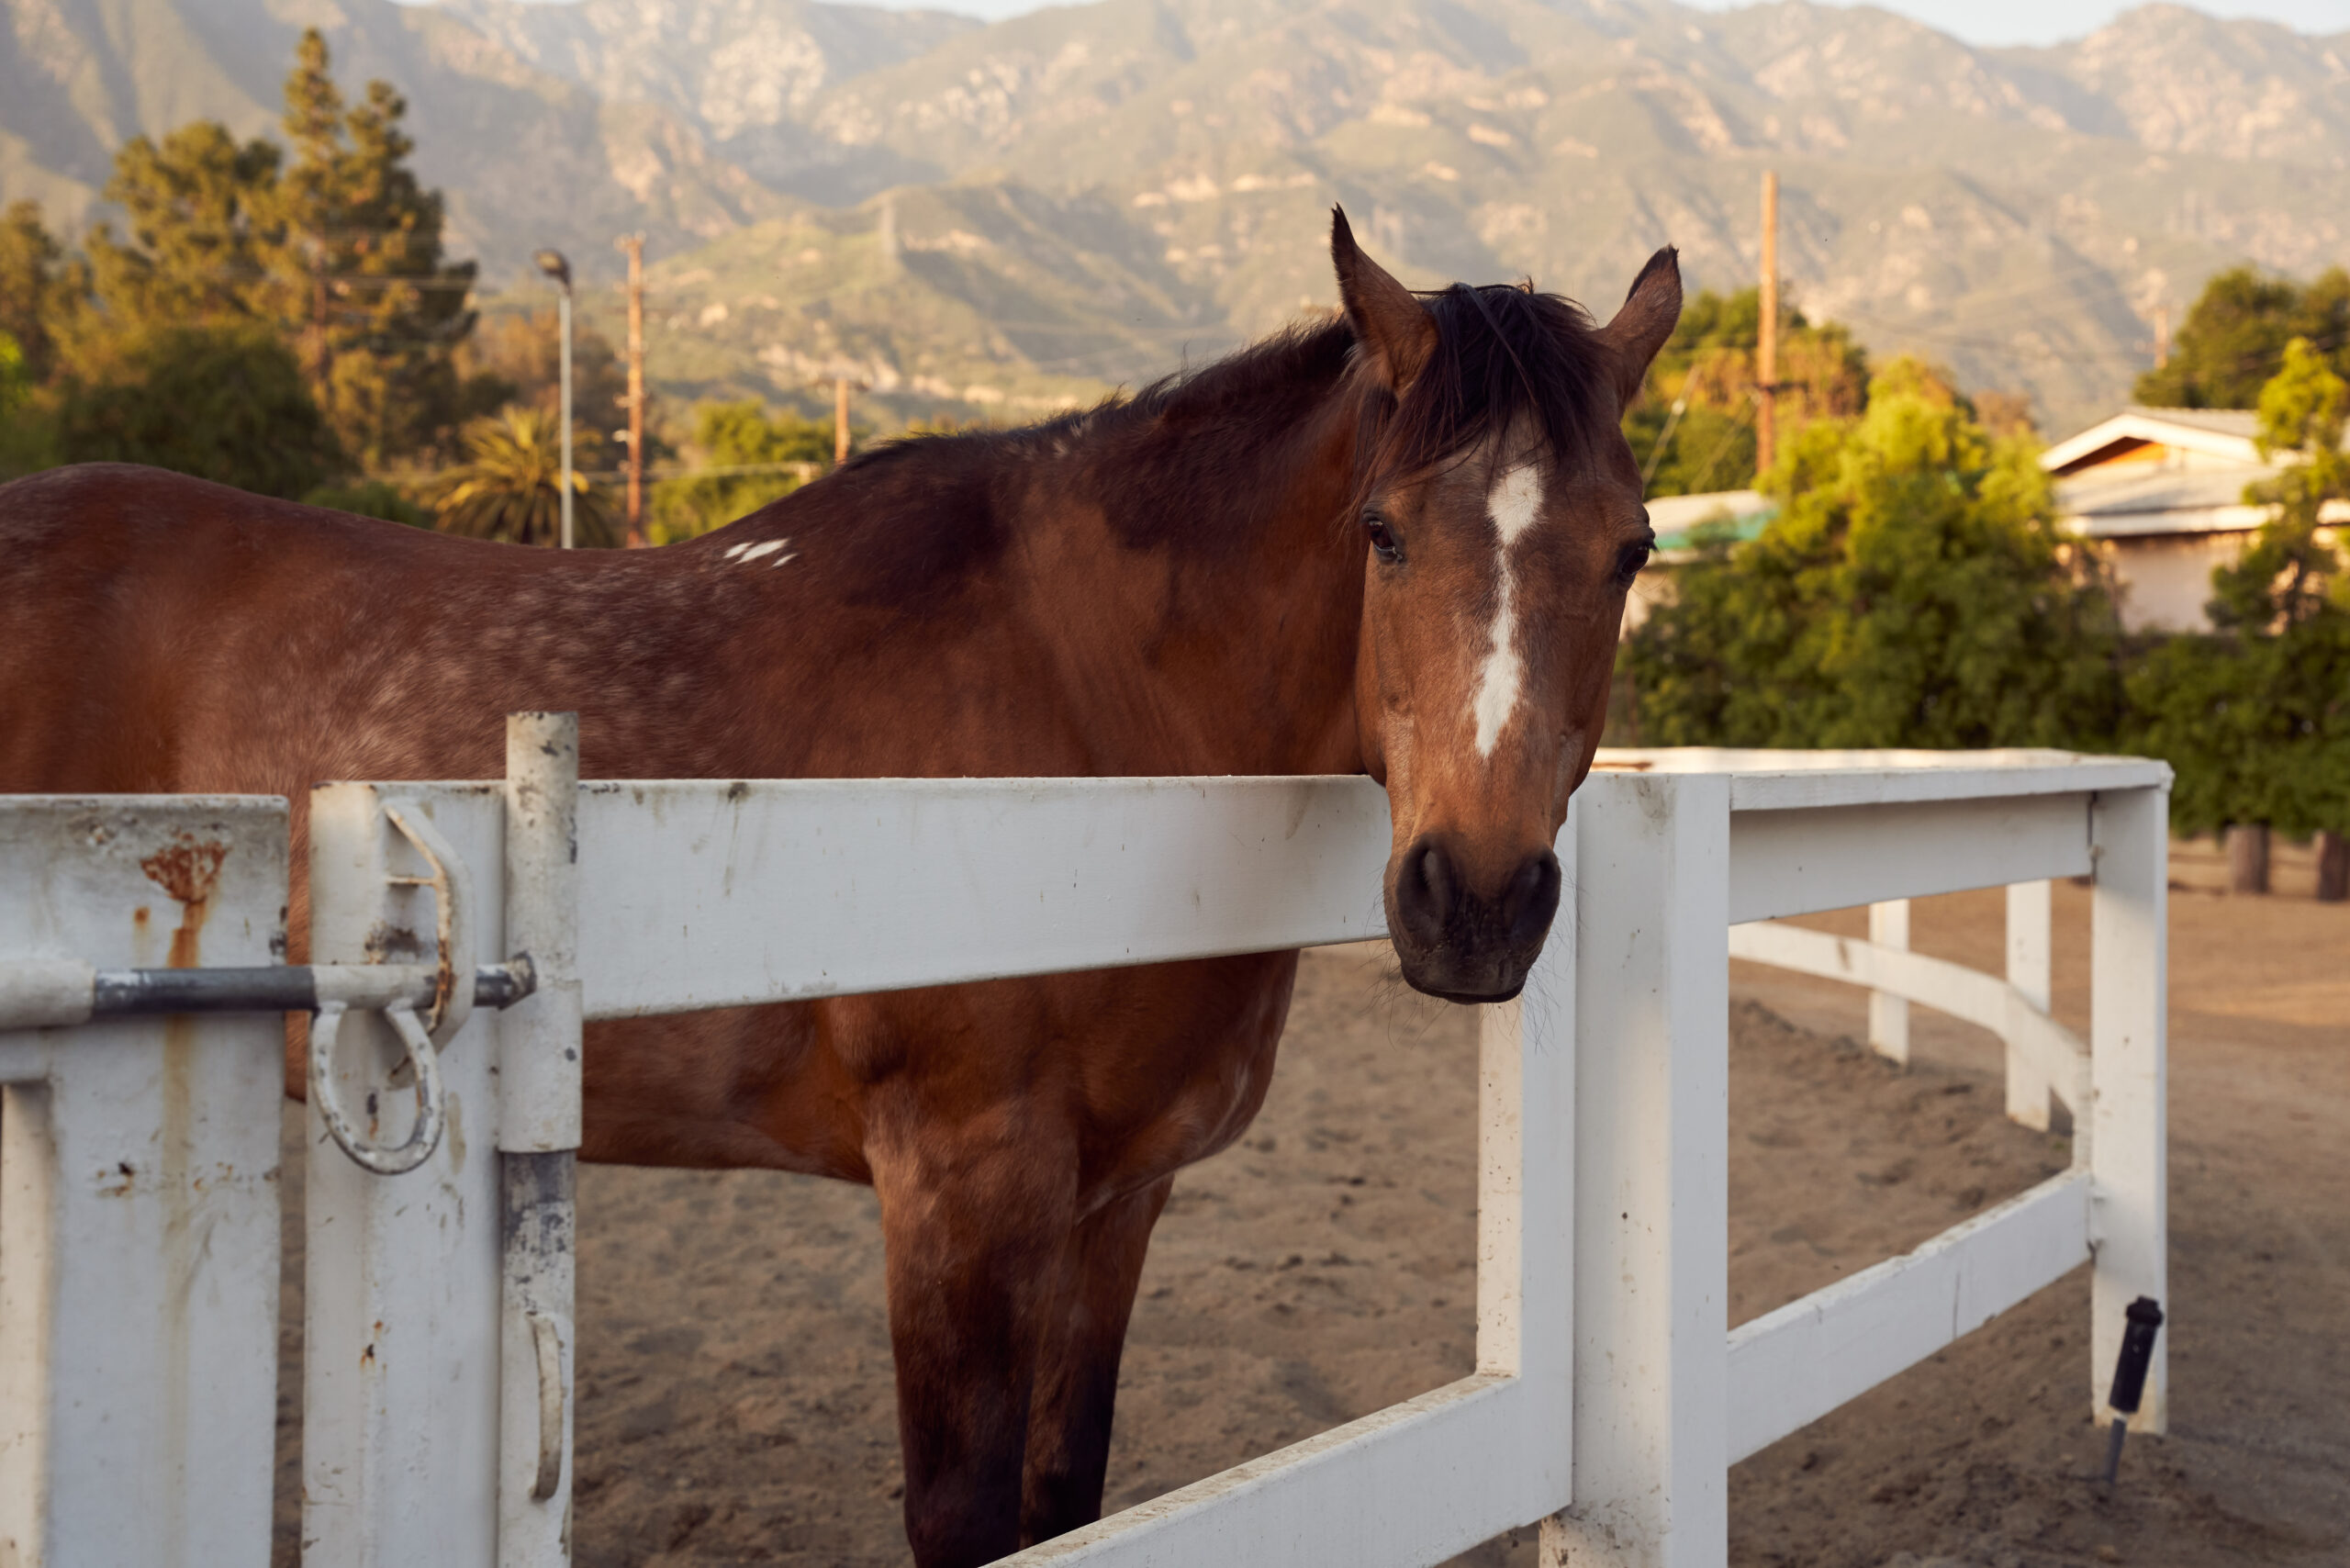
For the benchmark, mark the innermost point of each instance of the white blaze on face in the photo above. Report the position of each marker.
(1514, 502)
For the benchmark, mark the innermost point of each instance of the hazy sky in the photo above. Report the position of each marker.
(1978, 21)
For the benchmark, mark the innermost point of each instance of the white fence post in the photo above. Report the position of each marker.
(400, 1414)
(2030, 969)
(1526, 1143)
(1889, 1014)
(138, 1213)
(1651, 917)
(538, 1141)
(2129, 1152)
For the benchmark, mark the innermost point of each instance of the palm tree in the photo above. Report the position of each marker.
(511, 486)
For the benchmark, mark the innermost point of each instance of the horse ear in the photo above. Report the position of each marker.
(1650, 311)
(1393, 327)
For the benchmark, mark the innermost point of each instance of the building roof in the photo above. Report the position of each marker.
(2224, 433)
(1676, 519)
(2147, 471)
(2135, 500)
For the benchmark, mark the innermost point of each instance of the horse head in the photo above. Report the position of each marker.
(1501, 525)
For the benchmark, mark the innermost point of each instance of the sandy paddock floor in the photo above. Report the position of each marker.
(736, 1401)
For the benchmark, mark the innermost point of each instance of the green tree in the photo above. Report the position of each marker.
(2233, 341)
(337, 249)
(223, 402)
(199, 207)
(1694, 426)
(2255, 716)
(16, 378)
(38, 290)
(509, 487)
(1913, 591)
(356, 261)
(744, 451)
(28, 437)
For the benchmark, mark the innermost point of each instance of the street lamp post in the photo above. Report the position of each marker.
(552, 263)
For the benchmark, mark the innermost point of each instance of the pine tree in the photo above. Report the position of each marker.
(337, 248)
(357, 270)
(198, 207)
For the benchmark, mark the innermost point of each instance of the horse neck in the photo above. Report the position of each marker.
(1246, 653)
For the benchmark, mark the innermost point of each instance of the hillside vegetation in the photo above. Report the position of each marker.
(982, 218)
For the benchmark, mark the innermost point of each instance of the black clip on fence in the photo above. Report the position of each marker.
(2130, 1375)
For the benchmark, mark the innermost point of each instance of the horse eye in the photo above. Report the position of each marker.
(1629, 562)
(1383, 542)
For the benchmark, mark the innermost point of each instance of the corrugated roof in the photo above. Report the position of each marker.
(2151, 489)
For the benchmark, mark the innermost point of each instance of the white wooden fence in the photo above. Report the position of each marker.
(137, 1226)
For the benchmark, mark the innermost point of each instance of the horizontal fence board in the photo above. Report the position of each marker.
(2055, 1053)
(1803, 861)
(1790, 1366)
(1357, 1495)
(705, 893)
(1798, 780)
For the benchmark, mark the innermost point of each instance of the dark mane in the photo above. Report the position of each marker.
(1501, 353)
(1185, 457)
(1183, 461)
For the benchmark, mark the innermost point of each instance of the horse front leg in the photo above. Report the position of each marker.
(1077, 1374)
(976, 1217)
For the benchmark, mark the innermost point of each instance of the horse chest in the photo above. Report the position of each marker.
(1187, 1073)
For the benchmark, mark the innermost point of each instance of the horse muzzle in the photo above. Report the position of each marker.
(1466, 938)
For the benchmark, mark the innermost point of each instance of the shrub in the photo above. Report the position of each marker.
(1913, 591)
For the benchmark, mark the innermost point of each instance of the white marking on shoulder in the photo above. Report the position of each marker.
(735, 550)
(1514, 502)
(787, 560)
(769, 548)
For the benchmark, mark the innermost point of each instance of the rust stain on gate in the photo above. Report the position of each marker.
(189, 870)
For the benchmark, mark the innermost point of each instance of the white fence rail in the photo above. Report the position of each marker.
(1610, 1396)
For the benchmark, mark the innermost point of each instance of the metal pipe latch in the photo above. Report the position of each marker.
(425, 1004)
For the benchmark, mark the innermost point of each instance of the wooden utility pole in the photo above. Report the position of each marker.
(634, 245)
(840, 421)
(1766, 346)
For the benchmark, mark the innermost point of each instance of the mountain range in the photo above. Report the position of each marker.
(990, 219)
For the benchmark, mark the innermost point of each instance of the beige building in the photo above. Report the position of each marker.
(2161, 492)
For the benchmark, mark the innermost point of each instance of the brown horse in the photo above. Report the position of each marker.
(1397, 541)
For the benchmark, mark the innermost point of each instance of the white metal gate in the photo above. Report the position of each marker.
(137, 1188)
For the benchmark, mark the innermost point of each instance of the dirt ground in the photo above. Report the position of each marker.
(736, 1401)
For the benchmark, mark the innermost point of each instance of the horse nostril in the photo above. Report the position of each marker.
(1424, 892)
(1532, 899)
